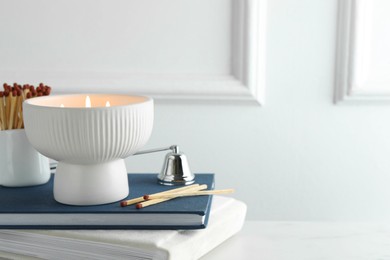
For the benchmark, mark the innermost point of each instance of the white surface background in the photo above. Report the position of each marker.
(299, 157)
(306, 241)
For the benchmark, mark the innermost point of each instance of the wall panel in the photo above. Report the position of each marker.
(363, 61)
(169, 49)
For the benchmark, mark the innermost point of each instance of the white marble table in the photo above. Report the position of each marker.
(306, 240)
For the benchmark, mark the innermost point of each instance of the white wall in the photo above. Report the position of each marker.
(298, 157)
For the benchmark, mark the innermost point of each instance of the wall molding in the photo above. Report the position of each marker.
(245, 83)
(355, 80)
(249, 46)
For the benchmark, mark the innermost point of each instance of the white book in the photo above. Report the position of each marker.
(226, 219)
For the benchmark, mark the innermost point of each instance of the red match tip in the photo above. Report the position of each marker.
(138, 206)
(19, 93)
(1, 94)
(28, 95)
(123, 204)
(14, 93)
(146, 197)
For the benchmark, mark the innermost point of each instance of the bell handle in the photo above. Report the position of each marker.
(173, 148)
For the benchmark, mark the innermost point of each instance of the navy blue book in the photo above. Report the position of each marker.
(35, 208)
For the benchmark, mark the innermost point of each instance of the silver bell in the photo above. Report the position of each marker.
(175, 170)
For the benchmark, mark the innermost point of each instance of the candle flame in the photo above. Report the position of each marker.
(87, 102)
(62, 105)
(108, 104)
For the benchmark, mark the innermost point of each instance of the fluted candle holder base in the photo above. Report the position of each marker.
(91, 184)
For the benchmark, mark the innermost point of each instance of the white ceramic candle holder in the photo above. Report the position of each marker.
(21, 164)
(89, 142)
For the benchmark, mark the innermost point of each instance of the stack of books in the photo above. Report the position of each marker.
(183, 228)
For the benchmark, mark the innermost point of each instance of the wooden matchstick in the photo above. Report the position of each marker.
(26, 89)
(147, 203)
(18, 108)
(4, 116)
(140, 199)
(150, 202)
(7, 106)
(12, 109)
(33, 91)
(11, 103)
(47, 91)
(20, 121)
(186, 194)
(2, 111)
(186, 188)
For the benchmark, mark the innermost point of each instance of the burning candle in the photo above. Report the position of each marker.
(89, 140)
(87, 102)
